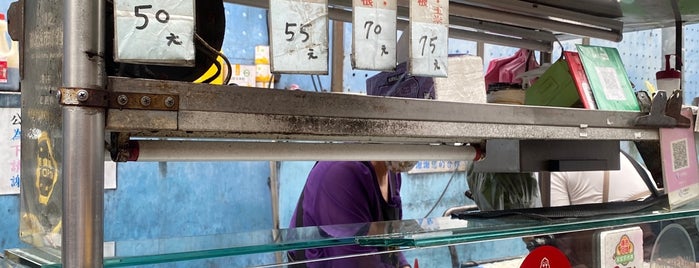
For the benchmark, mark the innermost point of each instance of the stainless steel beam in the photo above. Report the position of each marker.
(241, 100)
(166, 150)
(83, 133)
(545, 11)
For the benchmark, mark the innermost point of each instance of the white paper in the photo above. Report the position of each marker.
(374, 35)
(154, 32)
(10, 137)
(299, 36)
(429, 33)
(10, 161)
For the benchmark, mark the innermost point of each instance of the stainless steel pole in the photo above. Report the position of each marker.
(83, 132)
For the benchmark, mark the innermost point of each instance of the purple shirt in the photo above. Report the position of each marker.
(342, 193)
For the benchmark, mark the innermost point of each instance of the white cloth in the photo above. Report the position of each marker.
(584, 187)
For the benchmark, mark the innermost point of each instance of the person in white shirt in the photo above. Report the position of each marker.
(585, 187)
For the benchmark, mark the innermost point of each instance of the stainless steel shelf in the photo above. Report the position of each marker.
(208, 111)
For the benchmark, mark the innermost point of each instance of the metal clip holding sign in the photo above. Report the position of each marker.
(374, 35)
(154, 32)
(429, 33)
(299, 36)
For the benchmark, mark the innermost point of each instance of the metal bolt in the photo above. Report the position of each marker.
(122, 100)
(169, 102)
(145, 101)
(83, 95)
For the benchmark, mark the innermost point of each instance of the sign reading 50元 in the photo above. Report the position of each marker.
(154, 32)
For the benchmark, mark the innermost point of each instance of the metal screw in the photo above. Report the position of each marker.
(169, 102)
(122, 100)
(83, 95)
(145, 101)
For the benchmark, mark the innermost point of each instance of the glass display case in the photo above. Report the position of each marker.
(173, 120)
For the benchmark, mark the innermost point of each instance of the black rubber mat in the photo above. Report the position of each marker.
(573, 211)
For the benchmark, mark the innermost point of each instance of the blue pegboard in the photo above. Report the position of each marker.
(246, 28)
(691, 62)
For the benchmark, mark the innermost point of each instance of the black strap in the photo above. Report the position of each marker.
(298, 255)
(639, 169)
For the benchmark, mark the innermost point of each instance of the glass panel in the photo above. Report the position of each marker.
(405, 235)
(443, 231)
(42, 141)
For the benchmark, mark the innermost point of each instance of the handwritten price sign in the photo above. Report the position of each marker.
(155, 32)
(374, 34)
(299, 36)
(429, 33)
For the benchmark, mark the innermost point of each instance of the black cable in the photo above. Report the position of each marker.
(229, 70)
(212, 58)
(320, 84)
(443, 191)
(314, 83)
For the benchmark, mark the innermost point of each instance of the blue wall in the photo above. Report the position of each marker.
(161, 200)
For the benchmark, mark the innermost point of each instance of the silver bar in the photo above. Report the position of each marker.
(457, 33)
(291, 151)
(83, 133)
(493, 15)
(533, 22)
(544, 11)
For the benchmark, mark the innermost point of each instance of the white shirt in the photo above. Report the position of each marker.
(584, 187)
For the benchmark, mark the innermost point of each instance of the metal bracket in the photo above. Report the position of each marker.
(674, 109)
(144, 101)
(657, 116)
(83, 97)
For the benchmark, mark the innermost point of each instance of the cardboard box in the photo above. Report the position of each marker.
(262, 55)
(263, 76)
(243, 75)
(464, 81)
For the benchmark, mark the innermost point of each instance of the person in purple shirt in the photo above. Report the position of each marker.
(345, 193)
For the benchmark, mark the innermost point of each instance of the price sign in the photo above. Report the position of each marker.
(299, 40)
(429, 33)
(374, 35)
(154, 32)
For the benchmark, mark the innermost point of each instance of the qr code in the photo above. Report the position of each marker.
(610, 83)
(679, 155)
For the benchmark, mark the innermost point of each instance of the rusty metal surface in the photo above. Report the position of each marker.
(83, 97)
(144, 101)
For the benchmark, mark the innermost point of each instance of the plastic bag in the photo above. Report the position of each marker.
(505, 70)
(500, 191)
